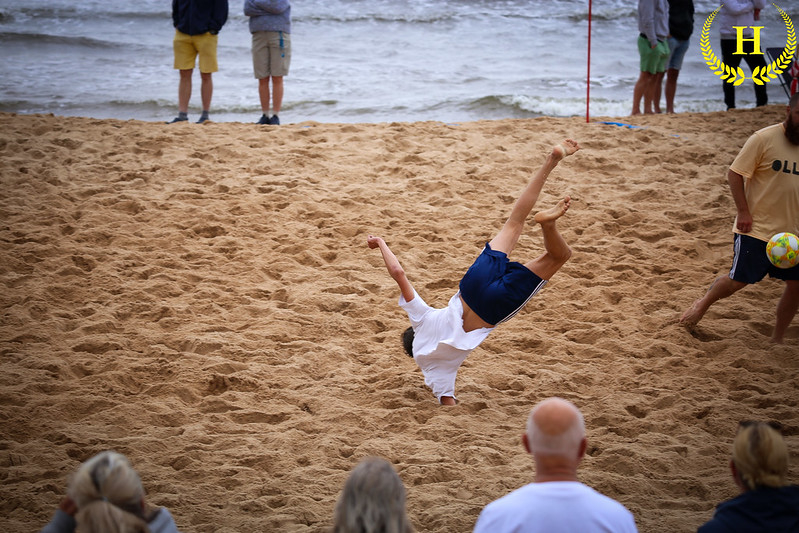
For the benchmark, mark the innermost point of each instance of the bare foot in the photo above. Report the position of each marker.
(692, 315)
(555, 212)
(564, 149)
(448, 400)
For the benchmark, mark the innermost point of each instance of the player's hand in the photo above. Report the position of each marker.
(373, 242)
(744, 223)
(68, 506)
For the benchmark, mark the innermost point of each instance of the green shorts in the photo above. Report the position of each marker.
(188, 47)
(653, 60)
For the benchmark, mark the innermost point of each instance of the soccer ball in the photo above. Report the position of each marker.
(783, 250)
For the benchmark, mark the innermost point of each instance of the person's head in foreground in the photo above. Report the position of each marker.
(555, 437)
(372, 501)
(108, 495)
(759, 457)
(767, 503)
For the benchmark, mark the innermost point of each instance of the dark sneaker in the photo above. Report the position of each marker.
(178, 119)
(274, 120)
(263, 120)
(203, 120)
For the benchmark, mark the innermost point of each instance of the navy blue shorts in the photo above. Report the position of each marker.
(750, 263)
(496, 288)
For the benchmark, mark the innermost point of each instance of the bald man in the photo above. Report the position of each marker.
(556, 501)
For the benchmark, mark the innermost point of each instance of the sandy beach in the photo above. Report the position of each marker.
(202, 299)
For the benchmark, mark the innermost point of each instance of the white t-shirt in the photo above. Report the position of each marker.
(439, 343)
(555, 507)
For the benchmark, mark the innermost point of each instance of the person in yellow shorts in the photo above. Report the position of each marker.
(197, 25)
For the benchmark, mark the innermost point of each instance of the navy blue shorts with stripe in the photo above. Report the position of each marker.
(497, 288)
(750, 263)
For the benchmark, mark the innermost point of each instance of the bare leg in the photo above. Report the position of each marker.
(657, 86)
(722, 287)
(557, 251)
(263, 94)
(184, 90)
(786, 310)
(649, 94)
(509, 235)
(277, 93)
(639, 90)
(206, 90)
(671, 88)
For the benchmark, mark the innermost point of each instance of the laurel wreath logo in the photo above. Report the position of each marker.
(760, 75)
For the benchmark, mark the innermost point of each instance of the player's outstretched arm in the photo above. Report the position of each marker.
(395, 270)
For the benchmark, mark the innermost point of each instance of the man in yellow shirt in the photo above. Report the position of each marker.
(764, 181)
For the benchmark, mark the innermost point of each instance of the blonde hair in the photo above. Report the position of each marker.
(760, 456)
(109, 496)
(372, 501)
(565, 431)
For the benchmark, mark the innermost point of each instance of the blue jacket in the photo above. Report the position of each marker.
(161, 522)
(268, 15)
(195, 17)
(765, 510)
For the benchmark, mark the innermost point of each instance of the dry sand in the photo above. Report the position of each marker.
(202, 299)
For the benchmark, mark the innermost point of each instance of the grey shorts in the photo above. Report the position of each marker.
(271, 53)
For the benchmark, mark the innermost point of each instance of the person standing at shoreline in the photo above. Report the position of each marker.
(736, 14)
(681, 26)
(197, 26)
(653, 25)
(270, 25)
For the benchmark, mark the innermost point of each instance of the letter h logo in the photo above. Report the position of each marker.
(740, 40)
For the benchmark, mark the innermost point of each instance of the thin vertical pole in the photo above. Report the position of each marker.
(588, 75)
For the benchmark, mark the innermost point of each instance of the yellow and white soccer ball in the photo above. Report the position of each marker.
(783, 250)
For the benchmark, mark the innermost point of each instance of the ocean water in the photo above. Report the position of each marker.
(355, 60)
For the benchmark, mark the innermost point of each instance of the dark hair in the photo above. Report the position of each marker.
(407, 341)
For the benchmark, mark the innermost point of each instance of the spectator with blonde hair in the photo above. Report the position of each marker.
(105, 495)
(759, 468)
(372, 501)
